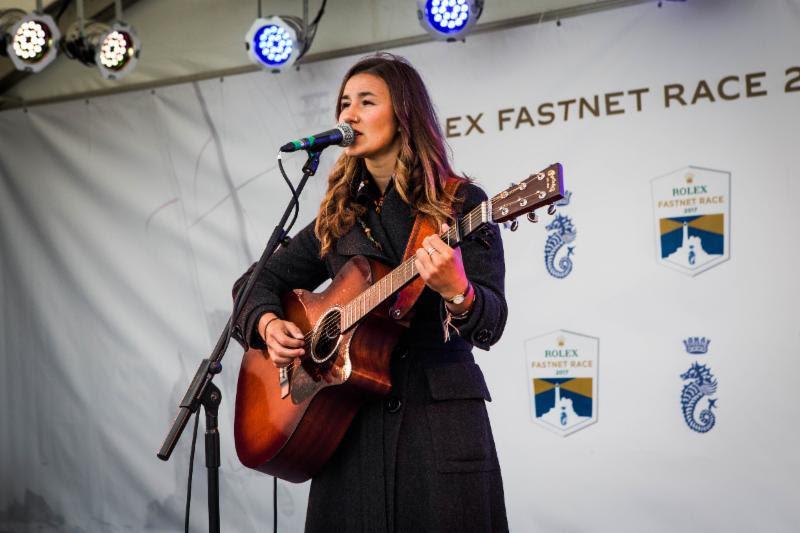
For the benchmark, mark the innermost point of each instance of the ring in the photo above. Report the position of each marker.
(431, 250)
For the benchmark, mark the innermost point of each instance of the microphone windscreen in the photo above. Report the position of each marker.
(348, 135)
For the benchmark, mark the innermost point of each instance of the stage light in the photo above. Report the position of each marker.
(277, 42)
(448, 20)
(30, 40)
(113, 49)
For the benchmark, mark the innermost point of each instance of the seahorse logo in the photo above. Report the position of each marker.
(562, 233)
(701, 383)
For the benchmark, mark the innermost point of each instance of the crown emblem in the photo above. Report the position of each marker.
(561, 341)
(696, 345)
(690, 178)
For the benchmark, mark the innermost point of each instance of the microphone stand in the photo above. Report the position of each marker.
(201, 390)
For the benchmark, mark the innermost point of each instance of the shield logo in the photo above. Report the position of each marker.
(692, 218)
(562, 380)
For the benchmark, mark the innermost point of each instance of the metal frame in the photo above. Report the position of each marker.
(527, 20)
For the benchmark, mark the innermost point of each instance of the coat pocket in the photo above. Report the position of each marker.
(460, 432)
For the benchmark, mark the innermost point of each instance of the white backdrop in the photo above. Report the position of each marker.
(124, 221)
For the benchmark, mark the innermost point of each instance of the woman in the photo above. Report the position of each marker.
(422, 459)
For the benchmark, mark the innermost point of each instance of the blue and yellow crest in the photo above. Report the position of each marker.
(692, 212)
(562, 380)
(563, 402)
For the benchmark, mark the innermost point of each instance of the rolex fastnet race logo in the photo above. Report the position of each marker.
(562, 380)
(692, 219)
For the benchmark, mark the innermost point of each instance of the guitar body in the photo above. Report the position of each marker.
(289, 425)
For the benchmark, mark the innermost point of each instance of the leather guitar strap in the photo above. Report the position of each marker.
(423, 227)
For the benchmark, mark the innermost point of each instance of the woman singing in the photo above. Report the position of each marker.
(422, 459)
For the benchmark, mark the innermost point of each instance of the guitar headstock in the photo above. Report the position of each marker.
(537, 190)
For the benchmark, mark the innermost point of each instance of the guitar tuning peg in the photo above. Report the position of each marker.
(514, 225)
(551, 209)
(532, 217)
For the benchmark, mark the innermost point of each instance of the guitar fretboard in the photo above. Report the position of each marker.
(372, 297)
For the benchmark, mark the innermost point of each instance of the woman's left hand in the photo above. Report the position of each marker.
(440, 266)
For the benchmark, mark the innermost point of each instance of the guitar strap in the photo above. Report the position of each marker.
(423, 227)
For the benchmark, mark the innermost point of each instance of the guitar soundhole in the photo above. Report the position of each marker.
(326, 337)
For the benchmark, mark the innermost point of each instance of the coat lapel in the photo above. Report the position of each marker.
(397, 222)
(391, 229)
(355, 242)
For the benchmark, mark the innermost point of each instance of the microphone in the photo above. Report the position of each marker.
(341, 135)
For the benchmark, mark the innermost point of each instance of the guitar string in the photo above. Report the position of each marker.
(449, 235)
(329, 324)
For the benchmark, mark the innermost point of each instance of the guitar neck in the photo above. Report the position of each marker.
(537, 190)
(385, 287)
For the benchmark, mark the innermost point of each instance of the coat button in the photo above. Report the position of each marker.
(394, 404)
(483, 336)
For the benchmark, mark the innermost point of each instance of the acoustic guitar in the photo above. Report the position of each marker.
(289, 421)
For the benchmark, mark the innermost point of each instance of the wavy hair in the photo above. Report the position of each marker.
(422, 167)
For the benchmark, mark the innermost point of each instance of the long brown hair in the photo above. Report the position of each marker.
(422, 165)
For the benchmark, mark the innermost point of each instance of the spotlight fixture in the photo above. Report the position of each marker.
(30, 40)
(114, 49)
(277, 42)
(448, 20)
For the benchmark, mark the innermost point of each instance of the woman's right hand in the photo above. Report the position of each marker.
(284, 339)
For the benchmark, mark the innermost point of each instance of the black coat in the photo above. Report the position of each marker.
(422, 459)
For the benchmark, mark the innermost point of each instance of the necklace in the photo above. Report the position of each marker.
(368, 233)
(379, 200)
(378, 203)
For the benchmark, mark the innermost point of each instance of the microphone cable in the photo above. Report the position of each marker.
(236, 306)
(295, 199)
(296, 202)
(191, 468)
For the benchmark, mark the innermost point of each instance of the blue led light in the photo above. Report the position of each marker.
(447, 16)
(273, 45)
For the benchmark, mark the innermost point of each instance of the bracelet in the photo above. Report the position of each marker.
(264, 336)
(449, 318)
(461, 316)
